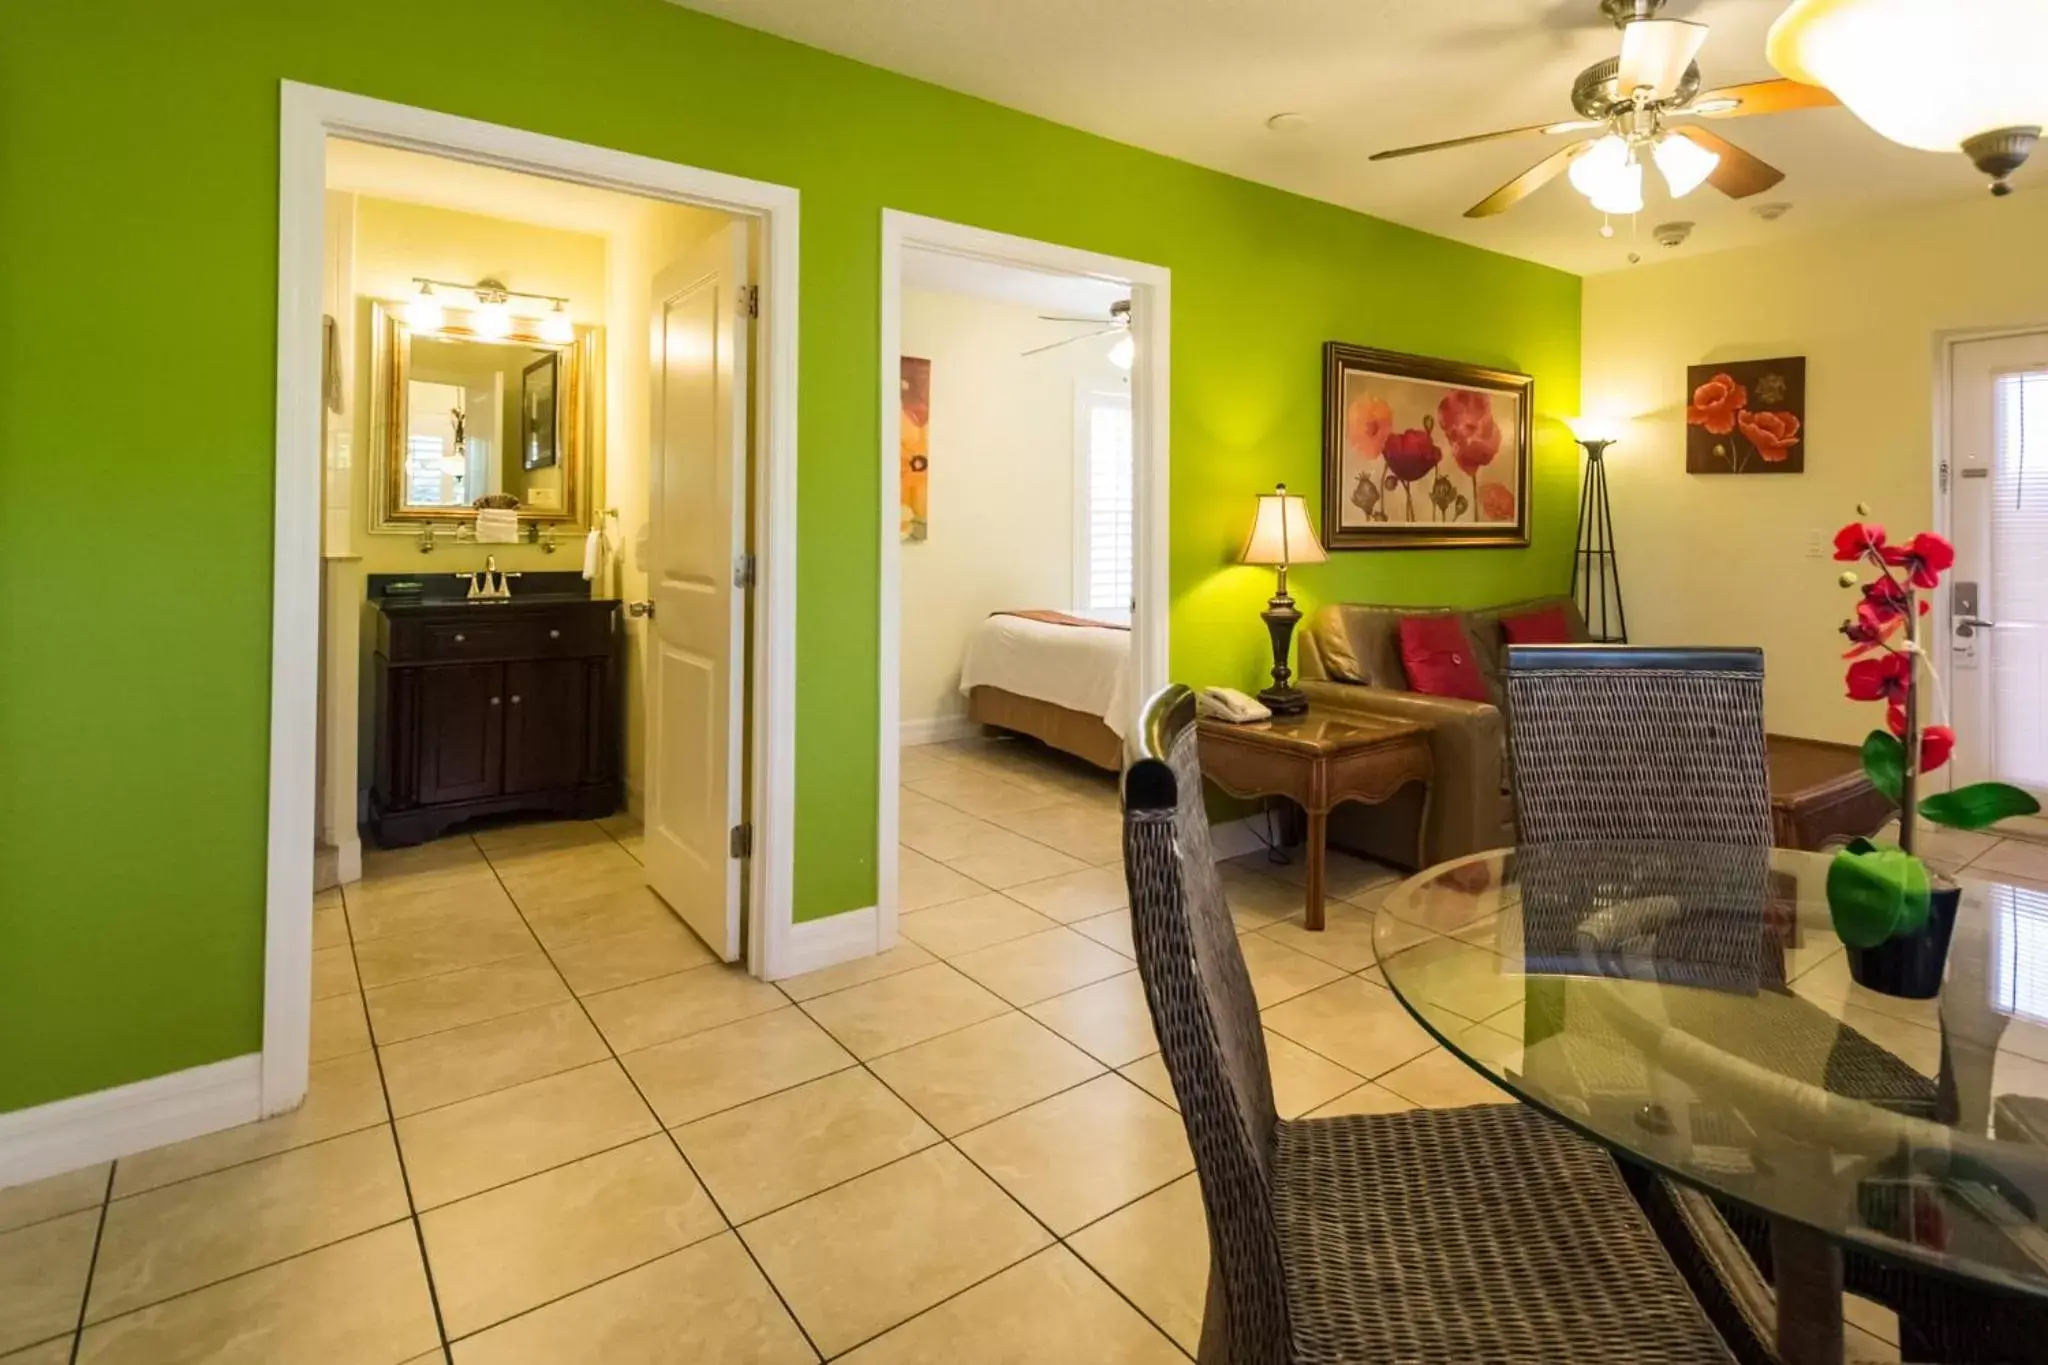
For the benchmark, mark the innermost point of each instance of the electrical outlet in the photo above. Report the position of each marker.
(1816, 544)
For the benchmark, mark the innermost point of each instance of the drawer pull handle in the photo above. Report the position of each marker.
(554, 635)
(515, 699)
(494, 701)
(460, 637)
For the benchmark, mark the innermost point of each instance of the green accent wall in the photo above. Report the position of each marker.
(138, 232)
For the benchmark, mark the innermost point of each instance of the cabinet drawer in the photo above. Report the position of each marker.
(474, 639)
(553, 635)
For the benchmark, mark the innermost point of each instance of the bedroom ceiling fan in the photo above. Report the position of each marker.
(1634, 103)
(1120, 355)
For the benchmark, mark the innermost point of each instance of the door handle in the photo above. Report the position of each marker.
(1968, 626)
(640, 608)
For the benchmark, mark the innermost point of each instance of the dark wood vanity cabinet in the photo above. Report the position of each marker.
(485, 708)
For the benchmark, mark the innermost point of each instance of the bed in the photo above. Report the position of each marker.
(1063, 679)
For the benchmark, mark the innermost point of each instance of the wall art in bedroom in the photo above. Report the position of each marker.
(917, 446)
(1746, 417)
(1422, 453)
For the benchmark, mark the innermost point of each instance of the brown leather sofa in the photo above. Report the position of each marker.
(1350, 658)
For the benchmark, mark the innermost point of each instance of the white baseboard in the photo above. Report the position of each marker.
(65, 1135)
(827, 942)
(351, 854)
(938, 729)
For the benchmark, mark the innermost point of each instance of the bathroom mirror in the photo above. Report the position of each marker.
(461, 420)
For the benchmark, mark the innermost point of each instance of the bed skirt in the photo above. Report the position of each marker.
(1072, 732)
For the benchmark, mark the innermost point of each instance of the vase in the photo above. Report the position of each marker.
(1910, 966)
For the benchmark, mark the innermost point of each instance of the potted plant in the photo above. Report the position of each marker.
(1890, 912)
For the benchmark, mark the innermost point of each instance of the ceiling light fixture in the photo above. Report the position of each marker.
(1609, 175)
(1684, 163)
(1930, 74)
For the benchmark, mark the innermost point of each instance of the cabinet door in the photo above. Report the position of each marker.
(547, 724)
(461, 732)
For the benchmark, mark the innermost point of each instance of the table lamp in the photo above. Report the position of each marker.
(1281, 536)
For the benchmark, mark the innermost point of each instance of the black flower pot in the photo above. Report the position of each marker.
(1911, 965)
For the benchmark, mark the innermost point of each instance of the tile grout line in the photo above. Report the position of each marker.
(663, 1127)
(412, 1207)
(92, 1264)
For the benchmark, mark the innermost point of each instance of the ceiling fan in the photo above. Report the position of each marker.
(1119, 321)
(1634, 102)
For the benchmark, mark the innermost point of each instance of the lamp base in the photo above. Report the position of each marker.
(1284, 701)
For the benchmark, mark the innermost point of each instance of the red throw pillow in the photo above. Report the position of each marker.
(1545, 627)
(1439, 658)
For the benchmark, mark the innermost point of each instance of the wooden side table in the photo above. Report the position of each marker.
(1319, 759)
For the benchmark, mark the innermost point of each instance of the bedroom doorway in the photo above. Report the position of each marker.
(1023, 574)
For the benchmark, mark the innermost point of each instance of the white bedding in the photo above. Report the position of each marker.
(1083, 668)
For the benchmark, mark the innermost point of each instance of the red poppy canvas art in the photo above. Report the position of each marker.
(1746, 417)
(1420, 452)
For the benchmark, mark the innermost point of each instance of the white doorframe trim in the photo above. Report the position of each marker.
(309, 114)
(1151, 387)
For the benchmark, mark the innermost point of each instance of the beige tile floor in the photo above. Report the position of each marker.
(544, 1127)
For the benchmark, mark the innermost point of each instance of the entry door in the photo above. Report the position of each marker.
(696, 688)
(1998, 642)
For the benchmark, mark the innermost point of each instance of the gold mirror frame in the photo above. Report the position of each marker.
(582, 404)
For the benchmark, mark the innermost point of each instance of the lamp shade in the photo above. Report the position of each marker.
(1281, 533)
(1588, 430)
(1931, 74)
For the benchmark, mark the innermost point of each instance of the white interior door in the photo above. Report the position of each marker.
(1998, 598)
(697, 532)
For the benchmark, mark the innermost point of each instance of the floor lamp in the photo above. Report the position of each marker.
(1596, 582)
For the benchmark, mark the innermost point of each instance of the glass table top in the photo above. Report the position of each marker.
(1691, 1007)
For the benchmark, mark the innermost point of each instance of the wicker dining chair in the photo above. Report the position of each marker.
(1631, 743)
(1457, 1236)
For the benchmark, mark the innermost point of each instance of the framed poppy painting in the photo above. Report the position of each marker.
(1746, 417)
(1421, 453)
(917, 448)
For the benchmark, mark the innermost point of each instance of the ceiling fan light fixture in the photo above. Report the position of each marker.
(1929, 74)
(1684, 164)
(1124, 352)
(1608, 174)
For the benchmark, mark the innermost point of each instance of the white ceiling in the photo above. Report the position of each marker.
(1075, 295)
(1197, 80)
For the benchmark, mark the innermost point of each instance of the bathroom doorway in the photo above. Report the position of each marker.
(577, 467)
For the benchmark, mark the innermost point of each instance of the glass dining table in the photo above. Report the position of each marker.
(1690, 1008)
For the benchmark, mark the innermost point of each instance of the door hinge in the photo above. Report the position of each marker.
(743, 571)
(750, 300)
(1944, 476)
(741, 843)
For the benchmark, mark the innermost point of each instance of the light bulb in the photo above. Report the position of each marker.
(1685, 163)
(1124, 352)
(493, 321)
(1623, 192)
(423, 311)
(556, 328)
(1596, 167)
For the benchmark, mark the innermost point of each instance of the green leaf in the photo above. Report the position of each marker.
(1884, 763)
(1978, 805)
(1875, 893)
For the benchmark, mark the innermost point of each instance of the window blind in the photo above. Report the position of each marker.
(2019, 934)
(2019, 580)
(1106, 529)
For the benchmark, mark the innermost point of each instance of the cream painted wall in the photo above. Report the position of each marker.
(1002, 482)
(1725, 560)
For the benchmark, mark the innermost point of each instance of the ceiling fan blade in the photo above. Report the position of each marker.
(1740, 173)
(1527, 183)
(1068, 341)
(1577, 125)
(1050, 317)
(1655, 53)
(1759, 97)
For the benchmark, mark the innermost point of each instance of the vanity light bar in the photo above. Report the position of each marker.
(423, 312)
(489, 291)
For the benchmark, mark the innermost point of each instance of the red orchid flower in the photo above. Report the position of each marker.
(1924, 558)
(1886, 597)
(1869, 629)
(1883, 678)
(1936, 743)
(1858, 539)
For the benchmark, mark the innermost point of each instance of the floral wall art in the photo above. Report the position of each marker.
(1422, 453)
(1746, 417)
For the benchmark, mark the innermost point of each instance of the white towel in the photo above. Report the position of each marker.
(593, 554)
(497, 526)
